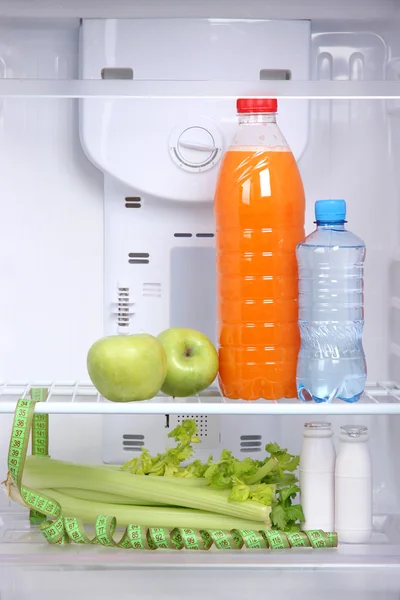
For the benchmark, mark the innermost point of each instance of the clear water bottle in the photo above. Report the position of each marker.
(331, 362)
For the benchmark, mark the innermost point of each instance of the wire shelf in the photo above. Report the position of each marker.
(73, 397)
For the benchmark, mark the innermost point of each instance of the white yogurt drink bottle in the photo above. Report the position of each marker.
(353, 482)
(317, 477)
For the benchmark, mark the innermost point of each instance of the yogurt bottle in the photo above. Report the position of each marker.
(317, 476)
(353, 483)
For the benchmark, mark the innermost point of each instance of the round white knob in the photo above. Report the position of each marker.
(195, 148)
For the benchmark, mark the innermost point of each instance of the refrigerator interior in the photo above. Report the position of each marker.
(68, 225)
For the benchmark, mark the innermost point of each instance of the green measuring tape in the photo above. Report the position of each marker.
(63, 530)
(40, 440)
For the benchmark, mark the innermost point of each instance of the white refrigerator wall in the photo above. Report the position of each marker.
(52, 242)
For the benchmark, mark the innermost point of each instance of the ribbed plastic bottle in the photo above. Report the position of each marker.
(331, 313)
(259, 212)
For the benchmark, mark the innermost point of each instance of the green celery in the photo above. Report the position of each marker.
(150, 516)
(98, 496)
(269, 466)
(47, 473)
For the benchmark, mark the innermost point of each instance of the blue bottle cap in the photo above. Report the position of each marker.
(330, 211)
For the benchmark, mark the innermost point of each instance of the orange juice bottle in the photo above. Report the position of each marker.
(259, 212)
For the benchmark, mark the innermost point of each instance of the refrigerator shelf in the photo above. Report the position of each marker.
(82, 398)
(161, 89)
(22, 545)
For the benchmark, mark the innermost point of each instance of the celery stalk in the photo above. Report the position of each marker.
(98, 496)
(186, 481)
(34, 461)
(150, 516)
(263, 472)
(46, 473)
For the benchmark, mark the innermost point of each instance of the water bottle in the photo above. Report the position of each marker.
(331, 362)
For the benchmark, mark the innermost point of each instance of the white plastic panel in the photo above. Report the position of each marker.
(154, 249)
(132, 139)
(51, 216)
(124, 438)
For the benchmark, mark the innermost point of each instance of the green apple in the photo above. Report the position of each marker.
(192, 361)
(124, 368)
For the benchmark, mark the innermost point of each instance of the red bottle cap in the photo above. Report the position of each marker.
(257, 105)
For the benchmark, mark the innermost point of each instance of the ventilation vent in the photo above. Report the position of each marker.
(189, 235)
(123, 307)
(117, 73)
(151, 290)
(250, 443)
(138, 258)
(201, 422)
(132, 442)
(133, 202)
